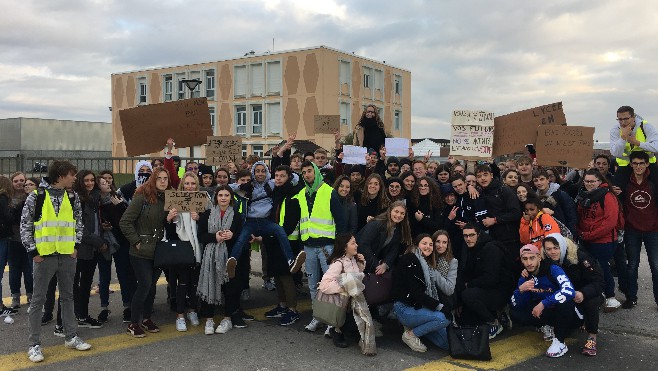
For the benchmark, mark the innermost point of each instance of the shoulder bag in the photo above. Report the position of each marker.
(469, 342)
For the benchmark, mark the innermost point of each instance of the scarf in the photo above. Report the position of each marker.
(442, 266)
(213, 265)
(430, 289)
(352, 282)
(317, 182)
(587, 198)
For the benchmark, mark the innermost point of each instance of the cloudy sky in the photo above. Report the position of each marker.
(56, 57)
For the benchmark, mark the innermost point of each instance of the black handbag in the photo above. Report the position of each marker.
(173, 253)
(469, 342)
(377, 289)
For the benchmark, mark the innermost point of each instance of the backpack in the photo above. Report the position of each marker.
(621, 221)
(564, 231)
(41, 198)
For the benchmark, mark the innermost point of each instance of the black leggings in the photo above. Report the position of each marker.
(589, 308)
(183, 284)
(562, 317)
(147, 277)
(84, 277)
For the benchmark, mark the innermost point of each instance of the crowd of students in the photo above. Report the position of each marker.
(504, 243)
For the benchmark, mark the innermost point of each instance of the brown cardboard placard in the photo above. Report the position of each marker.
(326, 124)
(186, 201)
(515, 130)
(571, 146)
(221, 150)
(471, 135)
(147, 128)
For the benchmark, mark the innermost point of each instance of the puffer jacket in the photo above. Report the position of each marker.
(144, 223)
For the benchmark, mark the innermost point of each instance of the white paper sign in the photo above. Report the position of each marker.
(398, 147)
(354, 155)
(472, 134)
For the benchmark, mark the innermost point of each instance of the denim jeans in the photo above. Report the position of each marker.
(316, 265)
(634, 240)
(4, 248)
(125, 274)
(621, 264)
(425, 322)
(603, 252)
(261, 227)
(20, 265)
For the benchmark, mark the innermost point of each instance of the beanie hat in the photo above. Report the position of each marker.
(446, 188)
(391, 160)
(204, 169)
(392, 180)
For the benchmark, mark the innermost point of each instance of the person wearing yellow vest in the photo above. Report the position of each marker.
(322, 217)
(632, 134)
(51, 239)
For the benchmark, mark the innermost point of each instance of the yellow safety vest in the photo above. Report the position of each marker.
(320, 222)
(55, 233)
(639, 135)
(294, 236)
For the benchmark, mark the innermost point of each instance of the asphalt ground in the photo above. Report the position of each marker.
(627, 340)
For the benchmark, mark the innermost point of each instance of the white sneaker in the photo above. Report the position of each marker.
(209, 329)
(557, 349)
(548, 332)
(194, 318)
(77, 343)
(224, 326)
(180, 325)
(409, 338)
(611, 305)
(313, 326)
(34, 354)
(327, 332)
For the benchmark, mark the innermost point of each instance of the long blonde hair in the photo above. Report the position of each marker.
(385, 217)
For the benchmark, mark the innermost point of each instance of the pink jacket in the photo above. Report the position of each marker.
(329, 283)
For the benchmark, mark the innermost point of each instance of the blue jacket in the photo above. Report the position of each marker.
(257, 194)
(552, 287)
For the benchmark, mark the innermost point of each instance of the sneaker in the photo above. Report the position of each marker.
(313, 325)
(15, 301)
(409, 338)
(89, 323)
(505, 318)
(103, 315)
(269, 284)
(136, 330)
(629, 304)
(237, 321)
(127, 313)
(180, 324)
(244, 295)
(245, 316)
(494, 330)
(34, 354)
(296, 265)
(194, 318)
(209, 329)
(611, 305)
(231, 263)
(224, 326)
(327, 332)
(276, 312)
(590, 347)
(548, 332)
(149, 326)
(6, 311)
(77, 343)
(46, 318)
(557, 349)
(289, 318)
(59, 331)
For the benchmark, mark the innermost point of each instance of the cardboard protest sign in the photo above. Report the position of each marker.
(221, 150)
(398, 147)
(472, 134)
(515, 130)
(571, 146)
(147, 128)
(326, 124)
(354, 155)
(186, 201)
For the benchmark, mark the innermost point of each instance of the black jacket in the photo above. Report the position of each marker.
(432, 219)
(586, 275)
(5, 217)
(503, 205)
(91, 237)
(364, 211)
(371, 239)
(484, 266)
(409, 284)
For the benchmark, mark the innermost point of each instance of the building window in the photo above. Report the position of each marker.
(181, 86)
(244, 150)
(210, 83)
(241, 120)
(273, 74)
(257, 149)
(211, 110)
(379, 81)
(240, 81)
(196, 93)
(397, 84)
(141, 83)
(367, 77)
(345, 72)
(396, 120)
(257, 119)
(168, 87)
(345, 114)
(273, 121)
(257, 79)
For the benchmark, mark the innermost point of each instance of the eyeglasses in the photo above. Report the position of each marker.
(370, 111)
(470, 235)
(622, 119)
(636, 164)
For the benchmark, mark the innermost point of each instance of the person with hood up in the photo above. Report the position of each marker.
(143, 170)
(258, 193)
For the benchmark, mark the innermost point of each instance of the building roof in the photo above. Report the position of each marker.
(443, 142)
(268, 53)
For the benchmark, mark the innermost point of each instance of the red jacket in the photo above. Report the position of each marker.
(596, 225)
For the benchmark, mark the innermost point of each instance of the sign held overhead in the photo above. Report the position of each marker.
(472, 134)
(571, 146)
